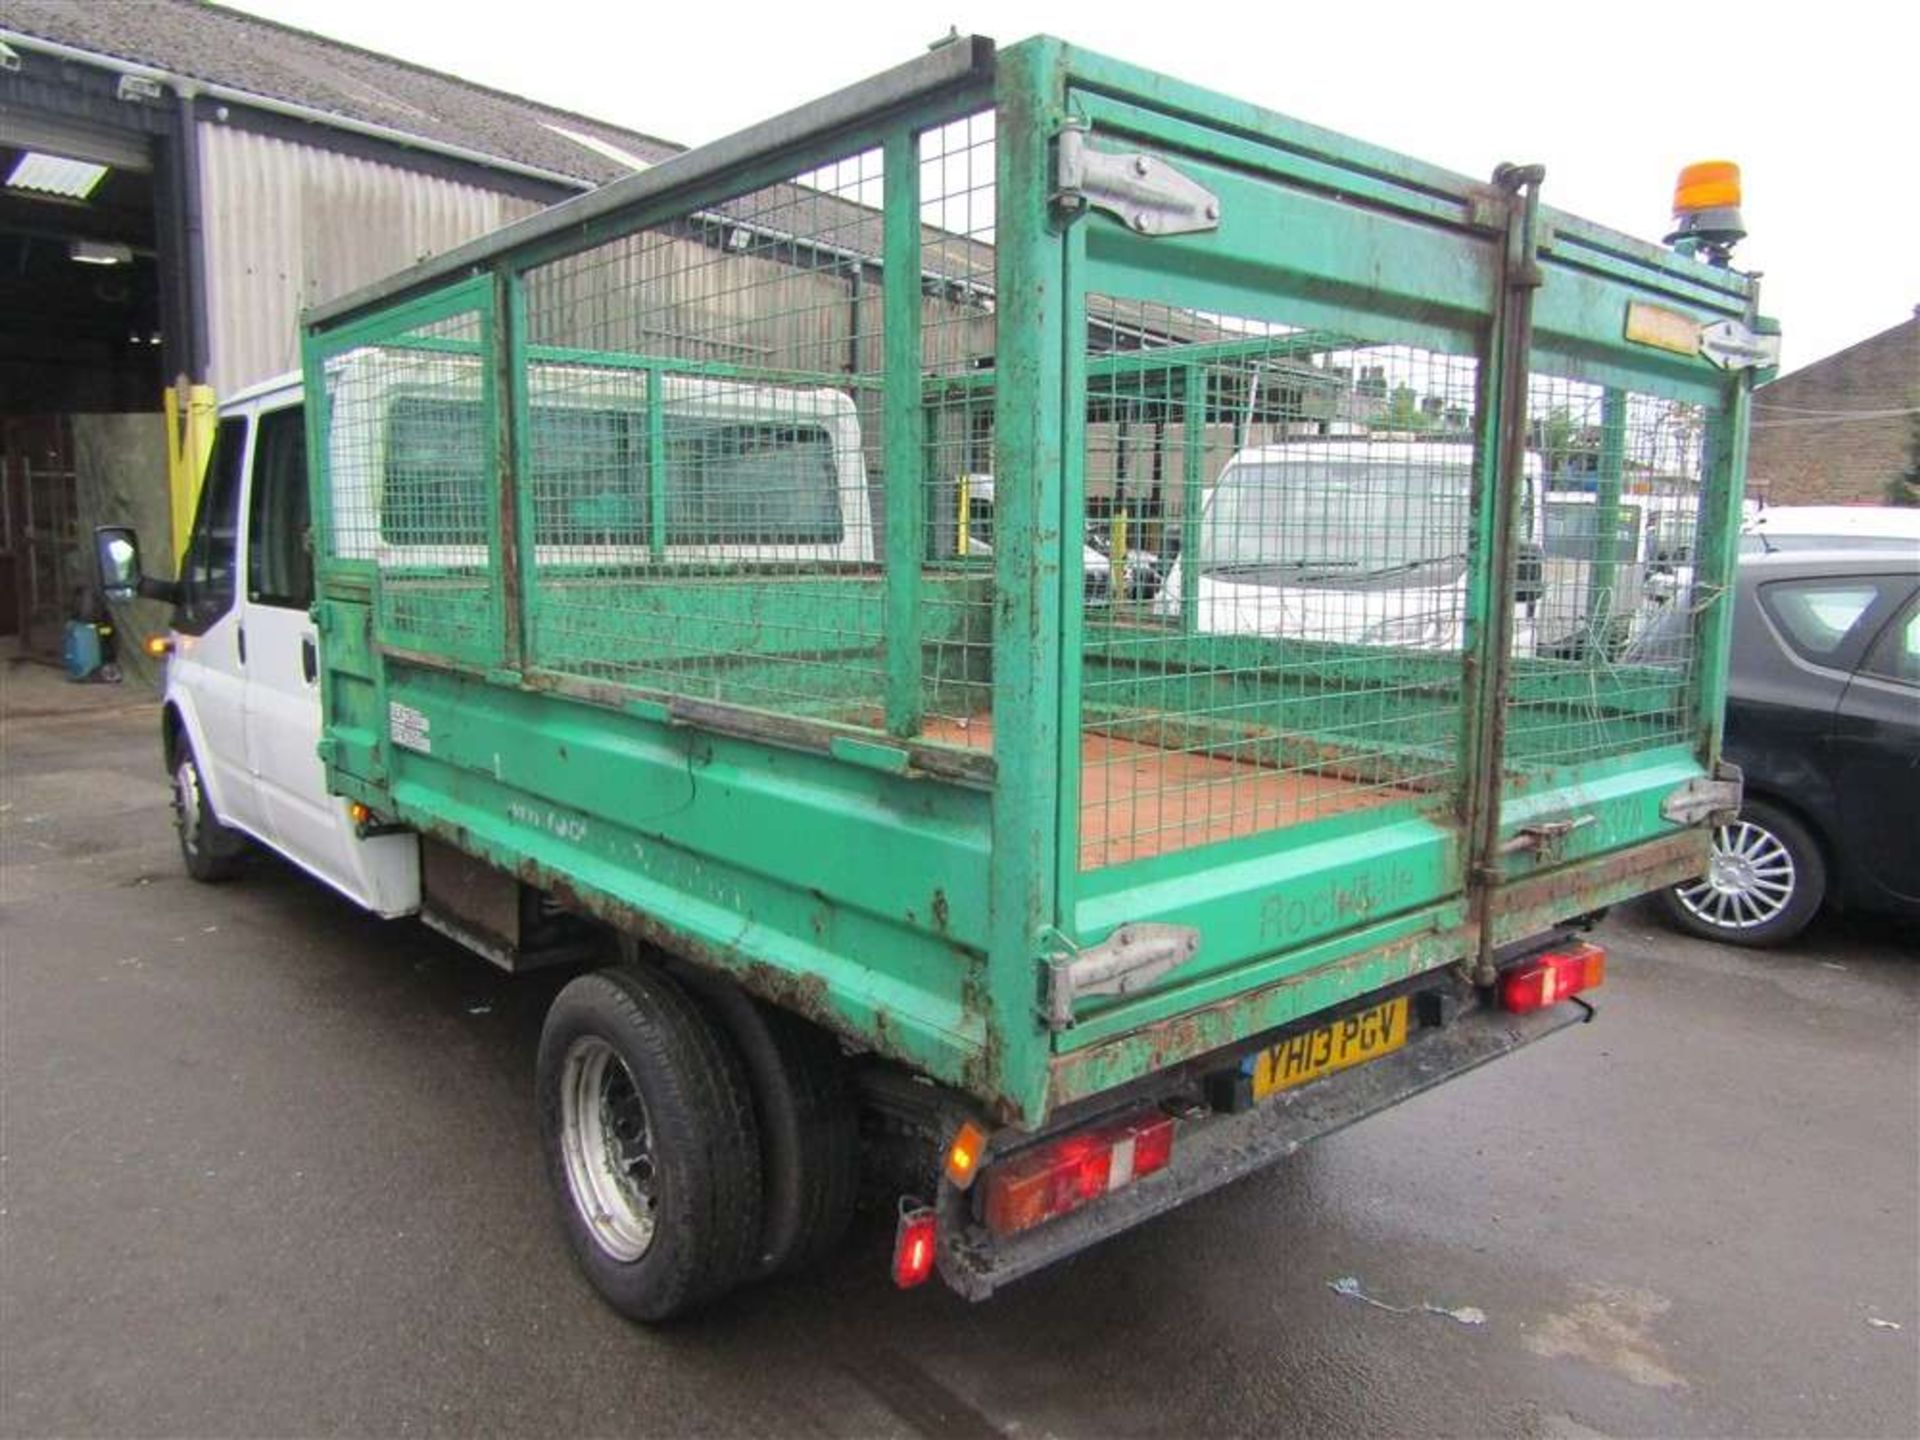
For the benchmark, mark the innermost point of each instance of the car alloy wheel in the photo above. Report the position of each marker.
(1749, 882)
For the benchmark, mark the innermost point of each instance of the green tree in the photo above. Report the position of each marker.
(1404, 411)
(1566, 447)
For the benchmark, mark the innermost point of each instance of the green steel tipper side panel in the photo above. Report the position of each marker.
(1297, 654)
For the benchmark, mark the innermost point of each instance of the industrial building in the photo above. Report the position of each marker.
(177, 181)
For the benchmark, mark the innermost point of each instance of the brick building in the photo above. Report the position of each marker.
(1834, 432)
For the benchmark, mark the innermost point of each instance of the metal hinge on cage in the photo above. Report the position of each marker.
(1705, 800)
(1147, 195)
(1131, 958)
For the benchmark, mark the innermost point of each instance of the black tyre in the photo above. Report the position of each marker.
(1764, 884)
(809, 1125)
(210, 851)
(647, 1124)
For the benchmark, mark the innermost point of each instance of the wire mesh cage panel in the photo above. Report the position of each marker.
(694, 461)
(1285, 518)
(411, 455)
(1605, 649)
(1286, 595)
(956, 187)
(708, 477)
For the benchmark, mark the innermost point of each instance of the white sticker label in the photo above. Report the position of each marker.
(409, 727)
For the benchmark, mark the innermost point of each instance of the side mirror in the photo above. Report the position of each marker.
(116, 549)
(1530, 574)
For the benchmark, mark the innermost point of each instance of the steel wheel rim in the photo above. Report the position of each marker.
(1750, 879)
(607, 1143)
(186, 805)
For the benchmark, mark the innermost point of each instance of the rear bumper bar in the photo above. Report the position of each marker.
(1214, 1149)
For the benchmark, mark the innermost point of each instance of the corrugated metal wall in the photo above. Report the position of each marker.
(288, 225)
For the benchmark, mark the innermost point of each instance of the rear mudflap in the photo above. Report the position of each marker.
(1214, 1147)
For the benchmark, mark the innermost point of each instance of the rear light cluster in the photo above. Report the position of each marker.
(1550, 978)
(1064, 1174)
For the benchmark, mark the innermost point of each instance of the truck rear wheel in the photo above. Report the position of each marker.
(647, 1122)
(809, 1125)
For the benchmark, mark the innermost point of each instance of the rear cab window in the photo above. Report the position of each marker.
(727, 483)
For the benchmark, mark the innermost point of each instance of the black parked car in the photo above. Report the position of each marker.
(1823, 718)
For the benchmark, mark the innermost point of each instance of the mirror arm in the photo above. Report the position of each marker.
(167, 591)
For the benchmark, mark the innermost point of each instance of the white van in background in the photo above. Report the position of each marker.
(1359, 542)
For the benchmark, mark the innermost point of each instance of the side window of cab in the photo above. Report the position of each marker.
(207, 578)
(279, 539)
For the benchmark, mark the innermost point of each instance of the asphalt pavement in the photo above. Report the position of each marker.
(267, 1167)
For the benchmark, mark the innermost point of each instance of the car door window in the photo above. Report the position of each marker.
(207, 571)
(279, 545)
(1896, 654)
(1816, 616)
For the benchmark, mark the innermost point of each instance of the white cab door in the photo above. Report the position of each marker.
(209, 666)
(283, 712)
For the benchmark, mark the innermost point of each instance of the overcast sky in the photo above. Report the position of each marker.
(1816, 102)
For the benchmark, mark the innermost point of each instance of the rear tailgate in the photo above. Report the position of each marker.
(1312, 815)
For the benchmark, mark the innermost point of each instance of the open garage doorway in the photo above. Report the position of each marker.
(86, 296)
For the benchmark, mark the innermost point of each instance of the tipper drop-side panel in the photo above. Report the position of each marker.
(886, 553)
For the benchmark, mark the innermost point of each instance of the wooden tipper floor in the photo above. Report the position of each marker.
(1138, 800)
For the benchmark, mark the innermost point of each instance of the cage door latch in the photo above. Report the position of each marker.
(1130, 959)
(1543, 838)
(1146, 194)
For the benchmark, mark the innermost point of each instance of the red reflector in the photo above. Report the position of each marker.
(1550, 978)
(1153, 1146)
(1062, 1175)
(913, 1247)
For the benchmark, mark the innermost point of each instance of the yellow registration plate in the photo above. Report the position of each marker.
(1314, 1053)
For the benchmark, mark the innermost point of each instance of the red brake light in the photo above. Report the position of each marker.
(1064, 1174)
(913, 1240)
(1550, 978)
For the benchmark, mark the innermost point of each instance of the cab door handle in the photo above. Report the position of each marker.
(240, 640)
(309, 658)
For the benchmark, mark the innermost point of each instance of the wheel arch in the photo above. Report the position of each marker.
(173, 727)
(180, 726)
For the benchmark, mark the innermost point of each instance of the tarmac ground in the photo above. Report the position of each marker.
(267, 1166)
